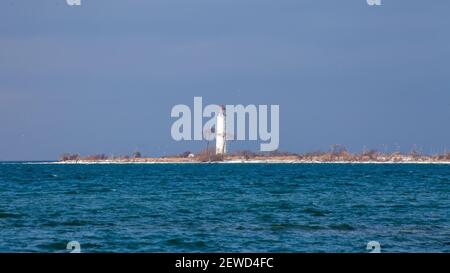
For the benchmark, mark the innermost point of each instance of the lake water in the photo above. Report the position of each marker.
(224, 207)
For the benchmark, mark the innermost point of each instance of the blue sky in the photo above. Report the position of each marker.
(103, 77)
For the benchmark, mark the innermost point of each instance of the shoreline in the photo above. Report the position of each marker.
(116, 162)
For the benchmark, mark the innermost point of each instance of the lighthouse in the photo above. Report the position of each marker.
(221, 142)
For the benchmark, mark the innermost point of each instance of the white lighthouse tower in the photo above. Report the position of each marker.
(221, 141)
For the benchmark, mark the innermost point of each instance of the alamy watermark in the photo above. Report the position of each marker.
(374, 246)
(78, 2)
(74, 246)
(73, 2)
(190, 126)
(374, 2)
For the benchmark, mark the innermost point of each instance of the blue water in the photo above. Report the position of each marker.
(224, 207)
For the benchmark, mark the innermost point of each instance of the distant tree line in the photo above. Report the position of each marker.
(97, 157)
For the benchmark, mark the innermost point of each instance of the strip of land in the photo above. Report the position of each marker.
(335, 156)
